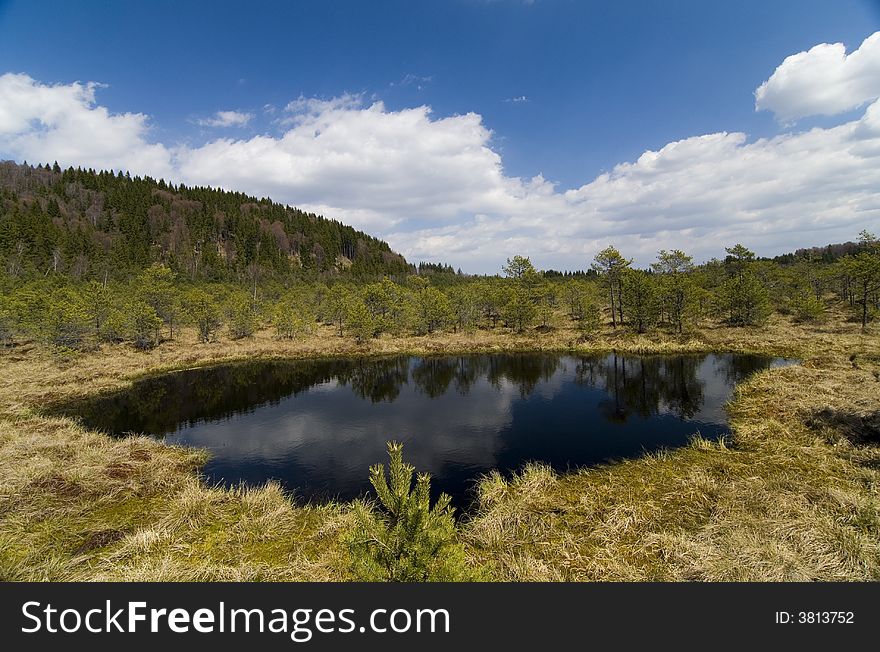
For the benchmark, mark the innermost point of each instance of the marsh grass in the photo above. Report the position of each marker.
(793, 495)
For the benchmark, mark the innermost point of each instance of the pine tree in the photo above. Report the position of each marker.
(640, 298)
(609, 264)
(405, 539)
(241, 316)
(676, 286)
(205, 313)
(143, 324)
(743, 298)
(359, 321)
(864, 271)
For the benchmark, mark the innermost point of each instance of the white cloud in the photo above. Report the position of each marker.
(519, 99)
(226, 119)
(44, 123)
(436, 189)
(308, 108)
(822, 81)
(371, 166)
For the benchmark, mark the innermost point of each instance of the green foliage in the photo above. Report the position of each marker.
(574, 295)
(29, 308)
(417, 283)
(490, 296)
(609, 264)
(805, 307)
(742, 290)
(739, 259)
(524, 275)
(379, 299)
(67, 323)
(61, 222)
(143, 324)
(640, 299)
(519, 309)
(678, 291)
(518, 268)
(98, 303)
(117, 326)
(405, 539)
(523, 295)
(292, 317)
(155, 285)
(204, 312)
(464, 303)
(7, 322)
(335, 306)
(589, 313)
(863, 272)
(433, 310)
(390, 305)
(744, 300)
(545, 298)
(359, 321)
(241, 316)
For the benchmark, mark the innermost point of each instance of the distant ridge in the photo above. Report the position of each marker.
(89, 224)
(828, 253)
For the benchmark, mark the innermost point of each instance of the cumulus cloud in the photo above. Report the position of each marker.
(43, 122)
(364, 163)
(226, 119)
(303, 108)
(824, 80)
(436, 189)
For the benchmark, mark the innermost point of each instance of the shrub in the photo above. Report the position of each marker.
(291, 318)
(117, 325)
(68, 324)
(640, 299)
(433, 310)
(807, 308)
(334, 306)
(405, 540)
(205, 313)
(744, 300)
(465, 305)
(519, 310)
(143, 324)
(590, 317)
(242, 317)
(359, 321)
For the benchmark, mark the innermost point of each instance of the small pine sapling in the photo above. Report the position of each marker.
(405, 539)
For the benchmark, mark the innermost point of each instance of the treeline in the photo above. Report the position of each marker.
(105, 226)
(672, 294)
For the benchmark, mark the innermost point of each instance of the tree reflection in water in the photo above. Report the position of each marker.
(635, 385)
(317, 425)
(645, 385)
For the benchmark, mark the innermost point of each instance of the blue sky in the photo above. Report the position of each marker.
(562, 89)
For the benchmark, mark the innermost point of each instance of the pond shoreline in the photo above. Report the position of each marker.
(78, 505)
(459, 416)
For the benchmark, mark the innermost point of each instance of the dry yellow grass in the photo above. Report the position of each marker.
(794, 496)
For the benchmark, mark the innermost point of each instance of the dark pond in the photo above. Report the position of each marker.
(317, 426)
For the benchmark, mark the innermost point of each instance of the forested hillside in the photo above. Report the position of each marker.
(100, 225)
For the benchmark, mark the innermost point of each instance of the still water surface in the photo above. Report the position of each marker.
(316, 426)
